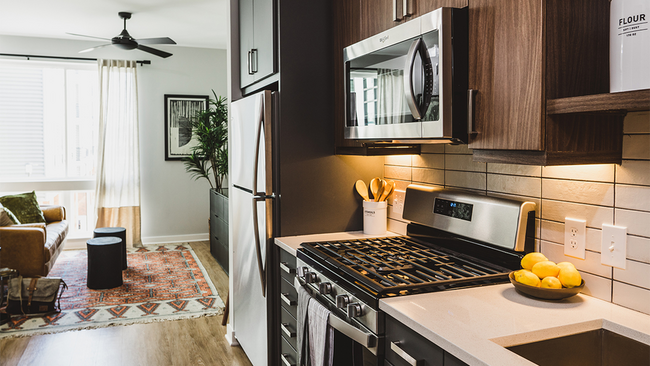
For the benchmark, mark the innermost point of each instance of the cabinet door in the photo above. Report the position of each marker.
(425, 6)
(506, 67)
(264, 37)
(246, 26)
(377, 16)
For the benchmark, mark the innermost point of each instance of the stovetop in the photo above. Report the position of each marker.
(395, 266)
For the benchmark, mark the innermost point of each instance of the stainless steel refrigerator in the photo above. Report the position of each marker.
(252, 202)
(285, 180)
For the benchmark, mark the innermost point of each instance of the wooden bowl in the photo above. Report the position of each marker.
(545, 293)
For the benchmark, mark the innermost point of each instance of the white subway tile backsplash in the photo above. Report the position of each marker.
(638, 248)
(638, 122)
(595, 216)
(599, 194)
(632, 297)
(636, 147)
(436, 161)
(404, 160)
(396, 172)
(591, 263)
(465, 179)
(596, 286)
(432, 176)
(633, 172)
(596, 173)
(463, 162)
(578, 191)
(513, 169)
(636, 222)
(633, 197)
(524, 186)
(635, 273)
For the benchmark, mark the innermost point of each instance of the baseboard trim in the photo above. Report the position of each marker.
(80, 243)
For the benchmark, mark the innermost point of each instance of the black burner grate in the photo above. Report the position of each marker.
(399, 265)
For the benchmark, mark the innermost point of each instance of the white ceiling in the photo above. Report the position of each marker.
(191, 23)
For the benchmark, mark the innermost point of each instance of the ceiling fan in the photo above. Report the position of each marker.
(126, 42)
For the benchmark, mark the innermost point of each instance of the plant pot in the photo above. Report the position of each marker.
(219, 242)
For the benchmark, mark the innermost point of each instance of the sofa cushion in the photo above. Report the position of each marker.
(7, 217)
(55, 234)
(24, 206)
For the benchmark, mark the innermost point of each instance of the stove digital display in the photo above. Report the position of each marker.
(457, 210)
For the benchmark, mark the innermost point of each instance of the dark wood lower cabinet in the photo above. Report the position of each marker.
(402, 345)
(285, 325)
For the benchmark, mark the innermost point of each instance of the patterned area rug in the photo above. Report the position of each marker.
(162, 282)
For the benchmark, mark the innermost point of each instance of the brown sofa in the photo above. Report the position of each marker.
(32, 249)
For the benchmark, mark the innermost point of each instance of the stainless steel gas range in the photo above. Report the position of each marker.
(456, 239)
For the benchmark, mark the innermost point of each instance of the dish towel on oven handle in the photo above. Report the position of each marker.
(316, 340)
(303, 302)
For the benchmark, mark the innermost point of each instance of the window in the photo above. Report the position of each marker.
(48, 135)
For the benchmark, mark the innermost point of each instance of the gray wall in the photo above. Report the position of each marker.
(174, 207)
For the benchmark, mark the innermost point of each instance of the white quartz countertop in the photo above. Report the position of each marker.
(475, 324)
(291, 243)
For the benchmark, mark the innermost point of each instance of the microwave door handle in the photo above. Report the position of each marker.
(408, 79)
(258, 247)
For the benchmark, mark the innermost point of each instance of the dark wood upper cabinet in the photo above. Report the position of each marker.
(525, 52)
(257, 51)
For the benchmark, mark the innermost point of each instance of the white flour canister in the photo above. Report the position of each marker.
(629, 44)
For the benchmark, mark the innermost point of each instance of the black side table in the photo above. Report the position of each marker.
(119, 232)
(104, 262)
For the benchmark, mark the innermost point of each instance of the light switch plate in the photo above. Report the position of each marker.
(398, 201)
(575, 233)
(613, 248)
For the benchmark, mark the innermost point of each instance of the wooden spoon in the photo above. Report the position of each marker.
(389, 187)
(380, 191)
(375, 185)
(362, 190)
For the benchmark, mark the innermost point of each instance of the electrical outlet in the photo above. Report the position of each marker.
(613, 249)
(398, 201)
(575, 232)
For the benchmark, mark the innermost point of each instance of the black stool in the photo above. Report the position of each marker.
(104, 262)
(119, 232)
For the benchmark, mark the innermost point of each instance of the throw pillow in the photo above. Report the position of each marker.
(7, 218)
(24, 206)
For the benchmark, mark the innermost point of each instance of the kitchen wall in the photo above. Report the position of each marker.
(174, 207)
(600, 194)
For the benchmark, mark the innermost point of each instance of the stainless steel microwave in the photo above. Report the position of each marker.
(409, 83)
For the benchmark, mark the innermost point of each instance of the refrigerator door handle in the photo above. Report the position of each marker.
(258, 245)
(260, 132)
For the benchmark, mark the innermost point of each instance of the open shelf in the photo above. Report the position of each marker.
(638, 100)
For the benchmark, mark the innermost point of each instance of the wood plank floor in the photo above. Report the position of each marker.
(198, 341)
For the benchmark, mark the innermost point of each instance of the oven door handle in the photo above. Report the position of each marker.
(367, 340)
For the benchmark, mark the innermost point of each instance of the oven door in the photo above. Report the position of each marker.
(354, 344)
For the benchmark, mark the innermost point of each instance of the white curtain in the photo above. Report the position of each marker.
(118, 168)
(391, 106)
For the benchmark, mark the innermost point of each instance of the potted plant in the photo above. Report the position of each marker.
(209, 160)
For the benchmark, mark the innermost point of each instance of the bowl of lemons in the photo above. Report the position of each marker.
(545, 279)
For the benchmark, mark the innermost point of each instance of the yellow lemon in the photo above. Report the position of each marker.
(545, 269)
(566, 264)
(551, 282)
(570, 277)
(529, 260)
(527, 278)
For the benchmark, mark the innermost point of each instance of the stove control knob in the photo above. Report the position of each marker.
(302, 271)
(354, 310)
(342, 301)
(325, 288)
(311, 277)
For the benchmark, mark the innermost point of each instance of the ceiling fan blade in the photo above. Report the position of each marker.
(96, 47)
(81, 35)
(161, 40)
(154, 51)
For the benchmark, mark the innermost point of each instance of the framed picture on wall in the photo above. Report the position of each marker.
(180, 110)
